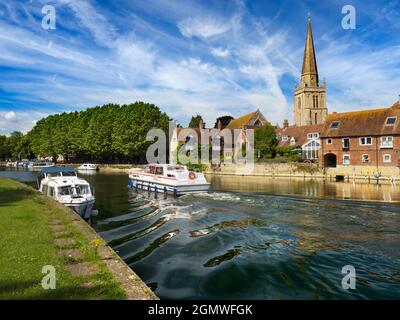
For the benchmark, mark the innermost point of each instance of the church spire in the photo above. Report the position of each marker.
(309, 73)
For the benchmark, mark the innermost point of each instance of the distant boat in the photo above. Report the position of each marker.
(166, 178)
(40, 165)
(89, 166)
(63, 185)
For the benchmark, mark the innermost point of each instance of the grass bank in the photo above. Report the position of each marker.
(36, 231)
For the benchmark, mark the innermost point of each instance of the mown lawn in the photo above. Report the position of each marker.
(27, 244)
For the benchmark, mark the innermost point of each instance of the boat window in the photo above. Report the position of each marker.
(54, 174)
(69, 174)
(152, 170)
(51, 192)
(82, 189)
(146, 170)
(159, 171)
(64, 191)
(172, 168)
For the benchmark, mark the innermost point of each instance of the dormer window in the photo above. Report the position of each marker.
(313, 135)
(292, 141)
(391, 121)
(285, 138)
(335, 124)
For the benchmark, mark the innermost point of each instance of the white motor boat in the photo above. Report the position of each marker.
(166, 178)
(88, 167)
(40, 165)
(63, 185)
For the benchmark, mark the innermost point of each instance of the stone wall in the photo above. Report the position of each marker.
(302, 170)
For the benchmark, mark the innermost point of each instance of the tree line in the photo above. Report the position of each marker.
(110, 133)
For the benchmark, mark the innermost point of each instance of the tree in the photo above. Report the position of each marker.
(224, 121)
(195, 121)
(265, 141)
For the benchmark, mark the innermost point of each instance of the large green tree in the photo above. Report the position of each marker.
(107, 133)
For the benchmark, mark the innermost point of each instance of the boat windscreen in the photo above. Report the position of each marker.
(54, 174)
(65, 191)
(82, 189)
(69, 174)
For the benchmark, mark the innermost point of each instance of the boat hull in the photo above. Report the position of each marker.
(168, 188)
(84, 209)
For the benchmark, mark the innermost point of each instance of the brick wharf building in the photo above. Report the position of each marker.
(362, 138)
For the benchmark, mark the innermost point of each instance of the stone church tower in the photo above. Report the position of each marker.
(310, 97)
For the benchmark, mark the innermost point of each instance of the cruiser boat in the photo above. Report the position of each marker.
(40, 165)
(63, 185)
(88, 166)
(166, 178)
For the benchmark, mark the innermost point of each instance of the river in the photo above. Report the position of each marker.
(254, 238)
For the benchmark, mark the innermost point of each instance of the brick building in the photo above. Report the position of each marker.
(362, 138)
(220, 138)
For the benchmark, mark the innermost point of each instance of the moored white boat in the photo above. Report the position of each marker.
(166, 178)
(88, 167)
(63, 185)
(40, 165)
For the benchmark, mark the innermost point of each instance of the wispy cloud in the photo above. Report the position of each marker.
(203, 27)
(185, 57)
(220, 52)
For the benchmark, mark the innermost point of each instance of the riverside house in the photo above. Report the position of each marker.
(306, 138)
(367, 138)
(219, 138)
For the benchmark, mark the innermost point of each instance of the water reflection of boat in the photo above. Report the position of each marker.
(165, 178)
(63, 185)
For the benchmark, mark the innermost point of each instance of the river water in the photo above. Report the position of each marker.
(254, 238)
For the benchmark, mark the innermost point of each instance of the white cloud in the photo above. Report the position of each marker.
(9, 115)
(103, 32)
(220, 52)
(178, 74)
(203, 27)
(19, 121)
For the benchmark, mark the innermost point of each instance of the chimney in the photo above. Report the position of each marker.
(285, 123)
(219, 125)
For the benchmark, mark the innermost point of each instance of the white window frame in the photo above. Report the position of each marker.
(292, 141)
(362, 158)
(386, 145)
(285, 138)
(329, 141)
(365, 140)
(347, 156)
(390, 158)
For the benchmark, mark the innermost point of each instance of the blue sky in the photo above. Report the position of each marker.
(209, 57)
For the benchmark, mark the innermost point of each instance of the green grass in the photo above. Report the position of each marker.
(26, 245)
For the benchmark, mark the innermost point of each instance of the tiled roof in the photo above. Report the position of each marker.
(363, 123)
(247, 120)
(298, 132)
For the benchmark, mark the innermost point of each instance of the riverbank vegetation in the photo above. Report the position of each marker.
(35, 232)
(110, 133)
(11, 147)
